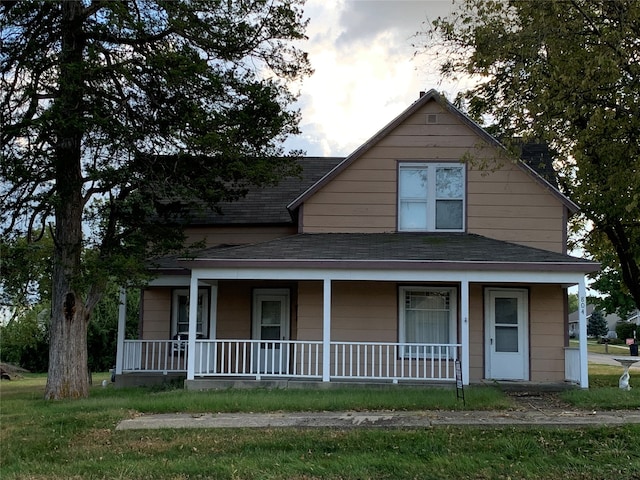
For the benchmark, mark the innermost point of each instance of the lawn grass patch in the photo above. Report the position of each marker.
(603, 392)
(77, 439)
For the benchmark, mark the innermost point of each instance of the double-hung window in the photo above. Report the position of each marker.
(427, 317)
(180, 313)
(431, 197)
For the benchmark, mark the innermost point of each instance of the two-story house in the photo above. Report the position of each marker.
(427, 245)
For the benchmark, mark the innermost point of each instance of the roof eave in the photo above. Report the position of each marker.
(436, 265)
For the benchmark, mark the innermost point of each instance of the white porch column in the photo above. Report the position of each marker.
(326, 330)
(582, 329)
(464, 329)
(193, 326)
(213, 312)
(122, 324)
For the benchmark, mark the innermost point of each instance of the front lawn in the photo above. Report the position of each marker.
(77, 439)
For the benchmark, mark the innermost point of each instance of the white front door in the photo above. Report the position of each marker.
(506, 335)
(271, 327)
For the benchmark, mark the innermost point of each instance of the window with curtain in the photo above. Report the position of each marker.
(427, 316)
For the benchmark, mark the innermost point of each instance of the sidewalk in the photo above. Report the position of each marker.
(417, 419)
(530, 415)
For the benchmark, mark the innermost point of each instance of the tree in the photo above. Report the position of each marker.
(119, 119)
(597, 325)
(566, 72)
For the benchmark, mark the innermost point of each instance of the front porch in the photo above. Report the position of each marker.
(370, 307)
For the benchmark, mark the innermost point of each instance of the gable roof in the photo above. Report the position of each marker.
(431, 95)
(431, 251)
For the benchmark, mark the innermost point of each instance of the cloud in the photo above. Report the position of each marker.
(365, 20)
(365, 70)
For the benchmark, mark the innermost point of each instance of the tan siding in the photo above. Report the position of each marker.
(503, 201)
(156, 322)
(476, 333)
(364, 312)
(546, 330)
(234, 310)
(310, 300)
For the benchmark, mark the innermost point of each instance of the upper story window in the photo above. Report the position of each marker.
(431, 197)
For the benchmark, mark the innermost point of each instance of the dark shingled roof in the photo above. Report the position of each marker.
(269, 205)
(449, 250)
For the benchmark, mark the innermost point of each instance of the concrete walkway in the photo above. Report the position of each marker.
(530, 416)
(417, 419)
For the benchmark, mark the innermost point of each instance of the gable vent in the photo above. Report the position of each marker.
(432, 118)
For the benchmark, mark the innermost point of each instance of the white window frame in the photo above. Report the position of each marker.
(204, 293)
(453, 314)
(431, 198)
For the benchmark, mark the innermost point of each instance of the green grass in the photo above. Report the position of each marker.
(594, 347)
(77, 439)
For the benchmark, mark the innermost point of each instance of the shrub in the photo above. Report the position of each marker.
(625, 330)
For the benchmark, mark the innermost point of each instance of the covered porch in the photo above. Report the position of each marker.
(321, 348)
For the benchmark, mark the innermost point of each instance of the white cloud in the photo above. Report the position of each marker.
(365, 69)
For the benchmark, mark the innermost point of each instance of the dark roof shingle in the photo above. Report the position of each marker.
(392, 248)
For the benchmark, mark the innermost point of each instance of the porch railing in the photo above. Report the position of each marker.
(295, 359)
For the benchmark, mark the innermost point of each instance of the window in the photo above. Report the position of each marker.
(180, 313)
(431, 197)
(427, 315)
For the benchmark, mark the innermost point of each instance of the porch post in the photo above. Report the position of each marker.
(213, 313)
(122, 323)
(582, 329)
(326, 330)
(464, 329)
(193, 326)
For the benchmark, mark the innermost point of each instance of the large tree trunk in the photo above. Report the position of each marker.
(68, 370)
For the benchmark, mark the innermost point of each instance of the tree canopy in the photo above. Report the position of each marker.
(566, 72)
(121, 117)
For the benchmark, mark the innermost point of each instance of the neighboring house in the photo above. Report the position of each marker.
(387, 265)
(612, 319)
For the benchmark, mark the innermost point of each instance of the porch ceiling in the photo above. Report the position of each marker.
(437, 251)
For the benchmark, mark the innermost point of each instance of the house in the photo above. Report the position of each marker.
(612, 320)
(427, 245)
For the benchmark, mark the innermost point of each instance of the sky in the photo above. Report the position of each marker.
(366, 69)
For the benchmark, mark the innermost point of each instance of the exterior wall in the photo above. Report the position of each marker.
(503, 201)
(234, 310)
(476, 332)
(310, 310)
(546, 333)
(509, 205)
(156, 322)
(239, 235)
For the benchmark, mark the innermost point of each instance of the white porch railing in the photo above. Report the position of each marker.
(394, 361)
(295, 359)
(155, 356)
